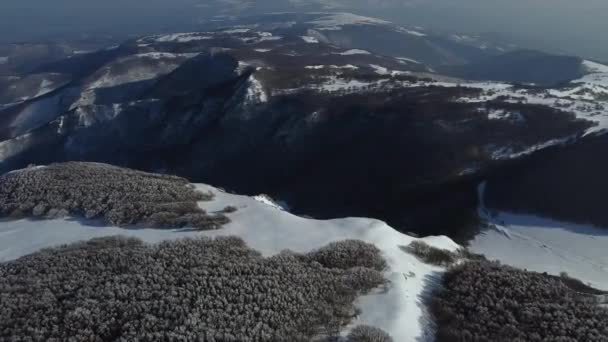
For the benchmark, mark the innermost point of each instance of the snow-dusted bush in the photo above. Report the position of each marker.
(365, 333)
(92, 190)
(431, 255)
(349, 253)
(187, 290)
(485, 301)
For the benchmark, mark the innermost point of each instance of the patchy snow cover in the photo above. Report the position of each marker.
(262, 50)
(317, 67)
(411, 32)
(353, 52)
(462, 38)
(509, 152)
(36, 114)
(164, 63)
(380, 70)
(269, 230)
(45, 87)
(337, 84)
(164, 55)
(179, 37)
(594, 67)
(597, 79)
(237, 30)
(310, 40)
(575, 99)
(255, 91)
(3, 60)
(335, 21)
(501, 114)
(406, 60)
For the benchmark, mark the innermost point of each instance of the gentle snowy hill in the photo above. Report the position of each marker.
(270, 230)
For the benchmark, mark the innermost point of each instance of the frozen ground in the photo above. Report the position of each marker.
(398, 310)
(545, 245)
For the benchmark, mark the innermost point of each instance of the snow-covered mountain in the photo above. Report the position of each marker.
(321, 110)
(270, 230)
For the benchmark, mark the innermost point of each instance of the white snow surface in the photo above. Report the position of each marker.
(255, 91)
(265, 199)
(501, 114)
(545, 245)
(380, 70)
(398, 310)
(404, 59)
(354, 52)
(238, 30)
(180, 37)
(310, 40)
(318, 67)
(594, 67)
(45, 87)
(334, 83)
(411, 32)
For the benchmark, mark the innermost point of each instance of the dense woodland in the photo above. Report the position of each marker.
(486, 301)
(187, 290)
(98, 191)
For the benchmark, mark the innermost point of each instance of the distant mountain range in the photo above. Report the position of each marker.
(334, 113)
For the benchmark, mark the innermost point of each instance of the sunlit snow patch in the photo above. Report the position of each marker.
(407, 60)
(181, 37)
(255, 91)
(411, 32)
(310, 40)
(501, 114)
(353, 52)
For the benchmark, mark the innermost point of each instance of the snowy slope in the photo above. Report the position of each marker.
(545, 245)
(594, 67)
(270, 230)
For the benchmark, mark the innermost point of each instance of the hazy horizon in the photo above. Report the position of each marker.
(557, 25)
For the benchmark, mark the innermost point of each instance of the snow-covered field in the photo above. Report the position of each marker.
(270, 230)
(545, 245)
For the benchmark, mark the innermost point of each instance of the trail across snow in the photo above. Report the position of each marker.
(398, 309)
